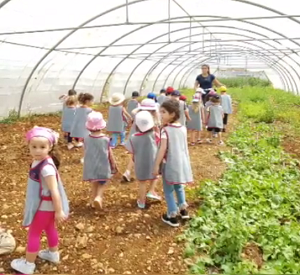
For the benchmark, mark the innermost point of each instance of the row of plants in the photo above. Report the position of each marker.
(248, 222)
(246, 81)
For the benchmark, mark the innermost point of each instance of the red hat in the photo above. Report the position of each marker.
(169, 90)
(183, 98)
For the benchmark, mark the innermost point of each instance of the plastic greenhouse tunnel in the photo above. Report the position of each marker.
(84, 69)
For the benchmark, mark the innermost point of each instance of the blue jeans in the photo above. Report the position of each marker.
(114, 138)
(170, 199)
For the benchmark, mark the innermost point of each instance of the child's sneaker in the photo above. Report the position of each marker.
(208, 140)
(154, 196)
(122, 143)
(70, 146)
(221, 143)
(173, 221)
(141, 204)
(98, 203)
(79, 144)
(22, 266)
(184, 214)
(49, 256)
(82, 160)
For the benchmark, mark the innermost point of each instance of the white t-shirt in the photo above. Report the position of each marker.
(47, 170)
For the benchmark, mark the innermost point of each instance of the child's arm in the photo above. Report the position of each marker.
(187, 115)
(127, 114)
(112, 159)
(160, 155)
(62, 97)
(52, 185)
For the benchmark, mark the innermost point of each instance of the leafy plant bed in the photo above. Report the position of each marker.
(248, 222)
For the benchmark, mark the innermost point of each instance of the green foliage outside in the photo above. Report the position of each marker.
(239, 82)
(257, 201)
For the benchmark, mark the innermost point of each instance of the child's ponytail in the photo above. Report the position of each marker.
(54, 154)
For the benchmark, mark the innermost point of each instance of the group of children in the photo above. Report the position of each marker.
(157, 146)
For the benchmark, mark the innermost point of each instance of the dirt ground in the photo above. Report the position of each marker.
(121, 239)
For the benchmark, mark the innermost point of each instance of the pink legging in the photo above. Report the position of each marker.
(43, 221)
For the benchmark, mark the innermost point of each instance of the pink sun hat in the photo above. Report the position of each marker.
(44, 132)
(148, 105)
(95, 122)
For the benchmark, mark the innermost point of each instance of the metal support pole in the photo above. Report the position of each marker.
(190, 38)
(169, 17)
(127, 12)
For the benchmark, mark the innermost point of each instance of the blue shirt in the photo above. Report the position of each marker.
(205, 82)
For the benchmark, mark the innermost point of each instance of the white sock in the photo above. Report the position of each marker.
(127, 172)
(28, 263)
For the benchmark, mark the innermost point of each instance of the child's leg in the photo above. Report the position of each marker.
(114, 139)
(225, 121)
(122, 135)
(99, 194)
(199, 137)
(152, 190)
(193, 137)
(94, 189)
(142, 194)
(51, 255)
(180, 194)
(170, 200)
(126, 175)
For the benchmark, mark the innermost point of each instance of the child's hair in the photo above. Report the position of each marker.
(135, 94)
(84, 97)
(215, 99)
(172, 107)
(54, 154)
(72, 92)
(72, 100)
(196, 106)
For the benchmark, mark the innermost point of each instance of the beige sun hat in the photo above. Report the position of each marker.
(7, 243)
(116, 99)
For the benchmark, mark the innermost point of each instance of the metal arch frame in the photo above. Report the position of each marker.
(99, 53)
(4, 3)
(106, 12)
(284, 76)
(230, 27)
(257, 25)
(61, 41)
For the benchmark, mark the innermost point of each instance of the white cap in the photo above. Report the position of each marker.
(195, 99)
(148, 104)
(144, 121)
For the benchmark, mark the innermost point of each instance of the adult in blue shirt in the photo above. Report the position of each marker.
(206, 80)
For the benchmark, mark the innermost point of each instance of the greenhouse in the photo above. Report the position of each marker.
(227, 145)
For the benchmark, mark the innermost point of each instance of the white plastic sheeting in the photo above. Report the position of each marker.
(101, 47)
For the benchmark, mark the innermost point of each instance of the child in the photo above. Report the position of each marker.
(214, 118)
(169, 92)
(143, 146)
(99, 163)
(174, 156)
(78, 129)
(162, 96)
(118, 117)
(46, 201)
(184, 113)
(195, 125)
(146, 105)
(226, 105)
(132, 103)
(68, 116)
(183, 98)
(64, 98)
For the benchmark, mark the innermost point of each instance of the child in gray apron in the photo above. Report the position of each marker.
(68, 115)
(173, 157)
(184, 113)
(162, 97)
(78, 129)
(195, 124)
(146, 105)
(99, 164)
(143, 147)
(214, 118)
(226, 105)
(133, 103)
(42, 208)
(118, 117)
